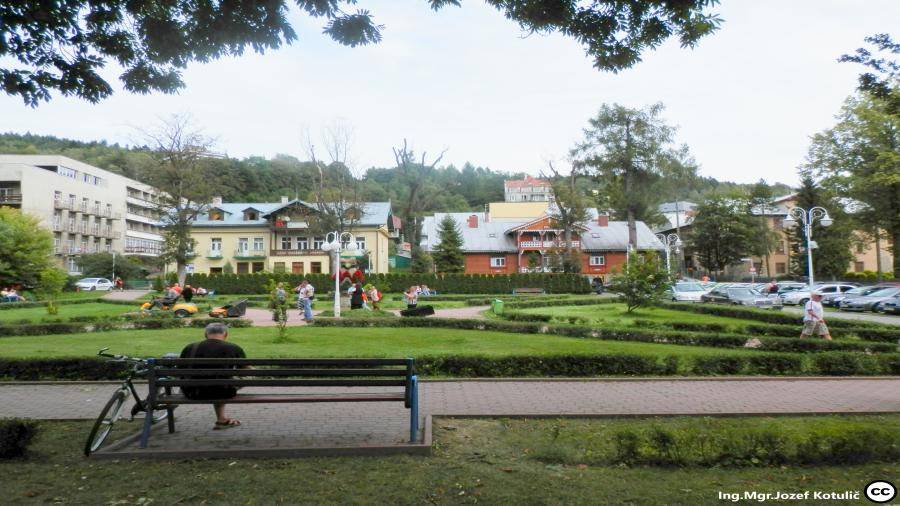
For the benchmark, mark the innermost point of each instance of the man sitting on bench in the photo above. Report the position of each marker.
(214, 346)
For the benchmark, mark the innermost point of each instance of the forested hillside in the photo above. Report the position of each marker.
(256, 179)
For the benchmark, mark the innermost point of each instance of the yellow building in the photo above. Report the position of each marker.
(275, 237)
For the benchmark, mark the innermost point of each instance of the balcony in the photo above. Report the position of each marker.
(249, 254)
(214, 253)
(297, 252)
(57, 226)
(142, 250)
(63, 204)
(546, 244)
(71, 227)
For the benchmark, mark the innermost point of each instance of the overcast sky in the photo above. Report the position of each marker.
(745, 101)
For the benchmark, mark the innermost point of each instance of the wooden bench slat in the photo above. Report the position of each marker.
(275, 398)
(400, 373)
(171, 382)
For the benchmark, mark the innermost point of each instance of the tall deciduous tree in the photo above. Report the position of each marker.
(722, 232)
(630, 151)
(186, 187)
(448, 253)
(413, 175)
(336, 192)
(832, 254)
(882, 82)
(25, 248)
(860, 158)
(569, 210)
(62, 46)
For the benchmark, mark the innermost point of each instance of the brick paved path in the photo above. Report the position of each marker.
(292, 425)
(125, 294)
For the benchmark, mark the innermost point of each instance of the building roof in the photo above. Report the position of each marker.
(676, 207)
(375, 214)
(524, 183)
(493, 236)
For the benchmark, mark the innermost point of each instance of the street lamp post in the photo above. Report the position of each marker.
(334, 246)
(670, 241)
(807, 218)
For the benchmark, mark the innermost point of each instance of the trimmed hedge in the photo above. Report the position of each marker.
(397, 282)
(574, 366)
(15, 434)
(94, 324)
(618, 334)
(766, 316)
(25, 305)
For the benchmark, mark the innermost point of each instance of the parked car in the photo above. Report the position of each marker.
(686, 292)
(743, 296)
(790, 286)
(892, 305)
(871, 302)
(834, 299)
(91, 284)
(801, 297)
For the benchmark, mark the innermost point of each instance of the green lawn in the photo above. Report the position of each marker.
(340, 342)
(36, 314)
(490, 462)
(615, 314)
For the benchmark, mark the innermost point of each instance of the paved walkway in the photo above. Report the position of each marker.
(125, 294)
(263, 317)
(355, 424)
(847, 315)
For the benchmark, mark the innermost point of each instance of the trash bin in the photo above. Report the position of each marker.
(497, 306)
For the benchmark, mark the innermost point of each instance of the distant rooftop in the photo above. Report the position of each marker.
(524, 183)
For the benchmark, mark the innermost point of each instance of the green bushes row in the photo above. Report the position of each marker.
(5, 306)
(620, 334)
(868, 276)
(397, 282)
(15, 434)
(573, 366)
(104, 325)
(834, 444)
(886, 335)
(766, 316)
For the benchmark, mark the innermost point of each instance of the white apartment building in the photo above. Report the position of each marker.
(530, 189)
(89, 210)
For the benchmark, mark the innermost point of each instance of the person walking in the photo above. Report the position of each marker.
(374, 297)
(356, 296)
(814, 318)
(412, 297)
(279, 303)
(120, 284)
(305, 293)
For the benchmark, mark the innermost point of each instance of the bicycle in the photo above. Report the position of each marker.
(111, 412)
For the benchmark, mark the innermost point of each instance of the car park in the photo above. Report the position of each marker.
(834, 299)
(686, 292)
(91, 284)
(741, 295)
(801, 297)
(871, 302)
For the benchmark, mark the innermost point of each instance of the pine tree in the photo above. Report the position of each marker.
(832, 254)
(448, 254)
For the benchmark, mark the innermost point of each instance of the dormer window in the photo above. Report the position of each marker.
(216, 215)
(251, 214)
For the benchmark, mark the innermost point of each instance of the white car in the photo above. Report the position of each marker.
(91, 284)
(686, 292)
(801, 297)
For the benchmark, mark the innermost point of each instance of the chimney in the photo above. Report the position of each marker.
(217, 201)
(603, 220)
(285, 200)
(487, 213)
(473, 221)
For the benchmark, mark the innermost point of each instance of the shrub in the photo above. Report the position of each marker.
(774, 365)
(15, 434)
(845, 364)
(719, 365)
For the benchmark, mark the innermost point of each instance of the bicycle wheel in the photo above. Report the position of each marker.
(158, 414)
(105, 421)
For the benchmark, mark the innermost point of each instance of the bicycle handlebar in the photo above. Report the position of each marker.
(122, 358)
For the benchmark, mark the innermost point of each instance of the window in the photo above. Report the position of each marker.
(66, 172)
(57, 195)
(315, 267)
(216, 215)
(215, 244)
(285, 242)
(297, 267)
(778, 223)
(258, 244)
(251, 216)
(361, 243)
(72, 264)
(243, 267)
(243, 244)
(498, 261)
(597, 260)
(779, 248)
(86, 178)
(318, 242)
(215, 270)
(302, 243)
(278, 267)
(860, 247)
(780, 268)
(859, 266)
(258, 266)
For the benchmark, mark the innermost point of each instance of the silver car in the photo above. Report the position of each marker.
(686, 292)
(835, 299)
(801, 297)
(871, 302)
(744, 296)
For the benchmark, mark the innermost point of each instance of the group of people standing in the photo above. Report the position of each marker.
(362, 296)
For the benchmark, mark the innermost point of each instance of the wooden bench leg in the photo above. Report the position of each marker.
(171, 418)
(148, 424)
(414, 411)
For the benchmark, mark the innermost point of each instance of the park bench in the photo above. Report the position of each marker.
(358, 374)
(528, 291)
